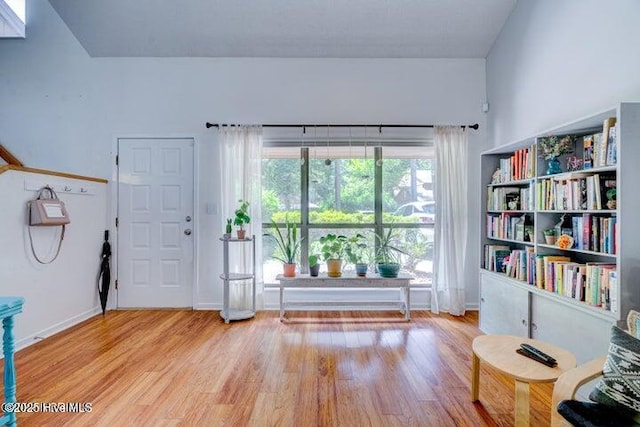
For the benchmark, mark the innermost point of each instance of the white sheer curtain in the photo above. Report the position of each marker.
(240, 167)
(448, 291)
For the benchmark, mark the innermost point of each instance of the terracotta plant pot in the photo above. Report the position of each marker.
(242, 234)
(334, 267)
(289, 270)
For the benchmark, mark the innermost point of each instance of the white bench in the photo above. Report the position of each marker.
(304, 281)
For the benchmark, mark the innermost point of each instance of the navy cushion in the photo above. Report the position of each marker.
(620, 383)
(589, 414)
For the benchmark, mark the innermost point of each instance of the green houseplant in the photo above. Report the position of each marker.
(228, 228)
(242, 217)
(314, 267)
(550, 236)
(288, 246)
(333, 250)
(356, 252)
(387, 255)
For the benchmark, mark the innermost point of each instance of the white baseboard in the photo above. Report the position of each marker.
(58, 327)
(207, 306)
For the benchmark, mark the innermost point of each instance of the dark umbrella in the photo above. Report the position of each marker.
(104, 278)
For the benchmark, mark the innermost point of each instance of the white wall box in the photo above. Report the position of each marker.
(568, 296)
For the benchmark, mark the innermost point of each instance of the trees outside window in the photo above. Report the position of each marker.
(351, 191)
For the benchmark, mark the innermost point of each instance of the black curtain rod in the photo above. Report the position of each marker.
(379, 126)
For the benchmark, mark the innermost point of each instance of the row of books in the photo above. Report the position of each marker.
(510, 198)
(595, 233)
(590, 232)
(591, 192)
(520, 165)
(509, 226)
(515, 263)
(592, 283)
(520, 265)
(494, 256)
(600, 149)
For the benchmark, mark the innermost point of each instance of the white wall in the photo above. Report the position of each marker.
(62, 109)
(64, 292)
(556, 61)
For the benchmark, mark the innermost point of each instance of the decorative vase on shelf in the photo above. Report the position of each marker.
(553, 166)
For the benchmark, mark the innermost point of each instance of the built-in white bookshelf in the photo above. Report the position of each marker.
(572, 290)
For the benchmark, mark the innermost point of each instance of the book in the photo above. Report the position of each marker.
(608, 191)
(577, 231)
(595, 234)
(539, 279)
(586, 232)
(613, 291)
(601, 155)
(597, 192)
(612, 149)
(499, 257)
(580, 283)
(587, 158)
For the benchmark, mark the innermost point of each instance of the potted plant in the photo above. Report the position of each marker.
(550, 236)
(314, 267)
(288, 245)
(356, 251)
(228, 229)
(387, 256)
(333, 248)
(241, 218)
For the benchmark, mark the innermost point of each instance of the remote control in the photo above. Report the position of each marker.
(537, 352)
(532, 356)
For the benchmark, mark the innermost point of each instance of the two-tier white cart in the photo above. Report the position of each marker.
(229, 278)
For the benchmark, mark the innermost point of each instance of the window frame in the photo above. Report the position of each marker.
(378, 224)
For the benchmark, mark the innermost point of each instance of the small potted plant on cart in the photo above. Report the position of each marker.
(228, 229)
(242, 218)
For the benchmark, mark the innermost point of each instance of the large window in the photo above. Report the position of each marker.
(348, 189)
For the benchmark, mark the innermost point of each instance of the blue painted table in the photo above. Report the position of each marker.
(9, 306)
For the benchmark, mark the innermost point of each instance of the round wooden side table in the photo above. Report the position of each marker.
(499, 351)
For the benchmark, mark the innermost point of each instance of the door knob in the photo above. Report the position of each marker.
(187, 231)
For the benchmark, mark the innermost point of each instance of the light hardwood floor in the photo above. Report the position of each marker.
(161, 368)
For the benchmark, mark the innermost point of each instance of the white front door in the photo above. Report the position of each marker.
(155, 222)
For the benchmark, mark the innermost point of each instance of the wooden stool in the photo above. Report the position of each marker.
(499, 351)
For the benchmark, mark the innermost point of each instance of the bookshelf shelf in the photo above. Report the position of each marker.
(580, 173)
(508, 211)
(580, 251)
(596, 205)
(578, 211)
(511, 183)
(519, 242)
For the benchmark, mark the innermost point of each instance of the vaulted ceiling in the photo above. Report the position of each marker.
(286, 28)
